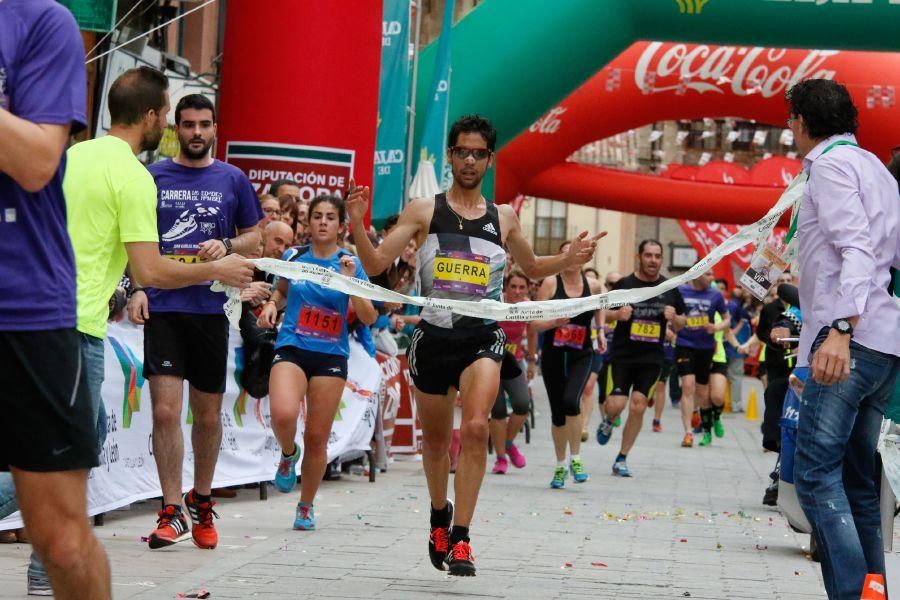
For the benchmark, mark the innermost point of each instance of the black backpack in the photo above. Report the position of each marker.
(259, 351)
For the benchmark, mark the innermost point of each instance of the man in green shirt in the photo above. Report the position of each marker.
(111, 203)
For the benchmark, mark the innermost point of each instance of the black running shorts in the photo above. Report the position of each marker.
(313, 364)
(623, 379)
(189, 346)
(719, 368)
(692, 361)
(437, 358)
(46, 403)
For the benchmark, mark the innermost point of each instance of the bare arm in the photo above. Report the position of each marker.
(245, 244)
(581, 250)
(545, 292)
(532, 337)
(376, 260)
(364, 310)
(30, 152)
(152, 270)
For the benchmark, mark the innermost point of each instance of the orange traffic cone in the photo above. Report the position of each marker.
(751, 414)
(873, 588)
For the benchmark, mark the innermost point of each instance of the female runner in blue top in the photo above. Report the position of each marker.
(311, 353)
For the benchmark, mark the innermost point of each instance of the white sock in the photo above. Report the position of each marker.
(576, 457)
(562, 463)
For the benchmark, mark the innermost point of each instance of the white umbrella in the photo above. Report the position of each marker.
(425, 183)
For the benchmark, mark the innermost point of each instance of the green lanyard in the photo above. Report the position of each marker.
(792, 230)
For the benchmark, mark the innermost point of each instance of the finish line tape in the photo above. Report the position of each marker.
(521, 311)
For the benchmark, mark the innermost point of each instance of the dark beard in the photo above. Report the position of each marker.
(150, 141)
(195, 155)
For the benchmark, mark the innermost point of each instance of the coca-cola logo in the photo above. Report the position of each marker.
(550, 122)
(743, 70)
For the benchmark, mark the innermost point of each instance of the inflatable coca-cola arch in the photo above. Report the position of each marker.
(655, 81)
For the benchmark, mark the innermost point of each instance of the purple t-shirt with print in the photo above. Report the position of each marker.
(701, 307)
(42, 80)
(195, 205)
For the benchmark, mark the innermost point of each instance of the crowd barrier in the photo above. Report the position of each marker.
(249, 452)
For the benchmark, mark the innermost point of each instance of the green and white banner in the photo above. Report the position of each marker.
(390, 144)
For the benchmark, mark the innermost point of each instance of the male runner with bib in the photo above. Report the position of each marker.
(461, 238)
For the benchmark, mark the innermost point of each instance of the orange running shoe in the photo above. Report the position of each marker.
(695, 420)
(171, 528)
(688, 441)
(203, 530)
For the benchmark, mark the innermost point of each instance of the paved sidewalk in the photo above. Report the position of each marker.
(689, 524)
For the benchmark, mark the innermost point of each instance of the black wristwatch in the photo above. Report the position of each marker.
(842, 326)
(228, 247)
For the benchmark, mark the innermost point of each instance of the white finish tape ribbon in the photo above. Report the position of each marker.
(521, 311)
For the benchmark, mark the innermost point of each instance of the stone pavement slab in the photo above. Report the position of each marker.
(688, 524)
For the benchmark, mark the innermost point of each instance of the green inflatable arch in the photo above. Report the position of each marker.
(515, 59)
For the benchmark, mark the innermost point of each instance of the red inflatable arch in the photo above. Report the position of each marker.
(655, 81)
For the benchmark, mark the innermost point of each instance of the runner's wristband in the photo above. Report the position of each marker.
(133, 291)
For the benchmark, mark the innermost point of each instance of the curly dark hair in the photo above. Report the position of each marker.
(473, 124)
(826, 107)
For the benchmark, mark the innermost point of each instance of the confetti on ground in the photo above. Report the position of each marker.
(568, 512)
(144, 539)
(683, 540)
(568, 565)
(198, 594)
(599, 564)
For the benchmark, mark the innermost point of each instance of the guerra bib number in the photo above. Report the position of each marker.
(320, 323)
(570, 336)
(697, 321)
(462, 272)
(645, 331)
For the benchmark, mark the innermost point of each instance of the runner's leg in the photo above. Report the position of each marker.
(287, 389)
(435, 411)
(478, 385)
(206, 437)
(323, 399)
(166, 395)
(54, 508)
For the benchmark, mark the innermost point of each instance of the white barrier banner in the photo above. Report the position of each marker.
(521, 311)
(249, 451)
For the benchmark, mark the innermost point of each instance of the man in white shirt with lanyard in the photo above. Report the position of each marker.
(848, 237)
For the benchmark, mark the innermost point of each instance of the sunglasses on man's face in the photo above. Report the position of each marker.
(463, 153)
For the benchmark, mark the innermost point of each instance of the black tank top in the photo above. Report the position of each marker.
(575, 336)
(461, 259)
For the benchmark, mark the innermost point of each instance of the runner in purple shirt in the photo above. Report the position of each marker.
(50, 439)
(695, 345)
(206, 210)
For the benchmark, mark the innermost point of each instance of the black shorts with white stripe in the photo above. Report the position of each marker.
(437, 356)
(46, 403)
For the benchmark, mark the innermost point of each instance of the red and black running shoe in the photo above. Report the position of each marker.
(439, 541)
(461, 560)
(203, 529)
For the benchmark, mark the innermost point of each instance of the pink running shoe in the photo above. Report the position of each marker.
(501, 466)
(515, 457)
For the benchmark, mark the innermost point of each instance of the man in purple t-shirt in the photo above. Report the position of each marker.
(695, 345)
(50, 439)
(206, 210)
